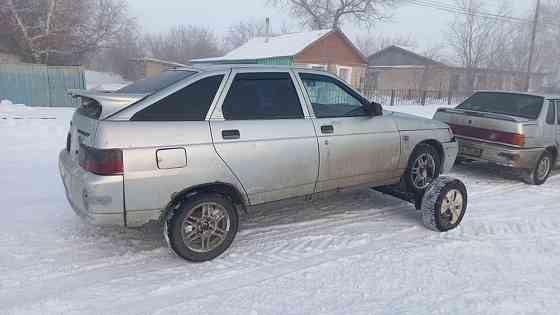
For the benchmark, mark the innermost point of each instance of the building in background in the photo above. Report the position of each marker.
(397, 68)
(324, 49)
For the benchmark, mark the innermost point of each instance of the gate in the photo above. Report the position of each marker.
(40, 85)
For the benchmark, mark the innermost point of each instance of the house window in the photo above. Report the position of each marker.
(317, 66)
(345, 73)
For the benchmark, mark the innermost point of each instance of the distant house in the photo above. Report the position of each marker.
(399, 68)
(146, 67)
(8, 50)
(324, 49)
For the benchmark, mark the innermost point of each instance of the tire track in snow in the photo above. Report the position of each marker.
(150, 304)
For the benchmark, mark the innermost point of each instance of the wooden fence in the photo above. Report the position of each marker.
(40, 85)
(396, 97)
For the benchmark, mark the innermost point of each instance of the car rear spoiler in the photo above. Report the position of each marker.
(483, 114)
(111, 102)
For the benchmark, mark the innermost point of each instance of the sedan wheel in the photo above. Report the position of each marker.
(205, 227)
(539, 175)
(423, 171)
(423, 168)
(202, 228)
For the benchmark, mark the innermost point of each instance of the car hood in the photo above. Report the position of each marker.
(412, 122)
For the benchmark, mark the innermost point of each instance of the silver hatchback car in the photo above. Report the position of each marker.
(192, 147)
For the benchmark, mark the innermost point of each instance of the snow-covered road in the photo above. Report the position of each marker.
(357, 252)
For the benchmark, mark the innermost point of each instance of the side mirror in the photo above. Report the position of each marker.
(374, 109)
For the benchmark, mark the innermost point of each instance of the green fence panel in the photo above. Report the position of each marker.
(61, 79)
(40, 85)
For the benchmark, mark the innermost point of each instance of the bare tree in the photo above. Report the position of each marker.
(241, 32)
(469, 36)
(116, 58)
(548, 42)
(324, 14)
(182, 43)
(62, 31)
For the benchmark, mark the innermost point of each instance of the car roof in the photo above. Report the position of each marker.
(217, 67)
(543, 95)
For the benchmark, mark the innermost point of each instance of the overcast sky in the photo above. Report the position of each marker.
(424, 24)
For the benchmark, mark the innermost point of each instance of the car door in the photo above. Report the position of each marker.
(355, 148)
(550, 126)
(264, 134)
(557, 128)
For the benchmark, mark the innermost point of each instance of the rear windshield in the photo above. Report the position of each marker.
(153, 84)
(89, 108)
(518, 105)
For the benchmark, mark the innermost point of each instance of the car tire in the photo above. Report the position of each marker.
(541, 172)
(444, 204)
(418, 183)
(208, 219)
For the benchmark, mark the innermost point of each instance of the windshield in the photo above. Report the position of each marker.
(518, 105)
(153, 84)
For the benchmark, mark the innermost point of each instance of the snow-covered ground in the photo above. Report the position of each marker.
(353, 253)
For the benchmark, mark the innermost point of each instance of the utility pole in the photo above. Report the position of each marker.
(532, 49)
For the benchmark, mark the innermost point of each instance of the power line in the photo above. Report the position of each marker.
(487, 15)
(455, 9)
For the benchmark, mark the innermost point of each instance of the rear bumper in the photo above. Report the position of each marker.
(98, 199)
(502, 155)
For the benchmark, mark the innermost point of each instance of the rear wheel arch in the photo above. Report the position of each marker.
(229, 191)
(436, 145)
(439, 148)
(554, 151)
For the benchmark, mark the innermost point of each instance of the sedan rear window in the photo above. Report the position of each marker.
(518, 105)
(156, 83)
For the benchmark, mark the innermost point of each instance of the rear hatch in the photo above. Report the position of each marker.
(95, 106)
(99, 105)
(503, 118)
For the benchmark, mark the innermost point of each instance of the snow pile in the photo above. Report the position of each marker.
(7, 106)
(104, 81)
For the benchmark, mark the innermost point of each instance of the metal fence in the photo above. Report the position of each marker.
(397, 97)
(40, 85)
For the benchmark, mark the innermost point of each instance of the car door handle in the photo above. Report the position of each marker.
(231, 134)
(327, 129)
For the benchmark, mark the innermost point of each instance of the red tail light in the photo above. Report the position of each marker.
(101, 161)
(491, 135)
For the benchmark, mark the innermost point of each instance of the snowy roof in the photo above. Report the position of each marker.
(277, 46)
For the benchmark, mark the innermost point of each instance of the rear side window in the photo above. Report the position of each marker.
(156, 83)
(262, 95)
(518, 105)
(558, 110)
(551, 115)
(188, 104)
(90, 108)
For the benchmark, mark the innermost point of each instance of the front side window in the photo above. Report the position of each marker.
(188, 104)
(330, 98)
(262, 95)
(551, 116)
